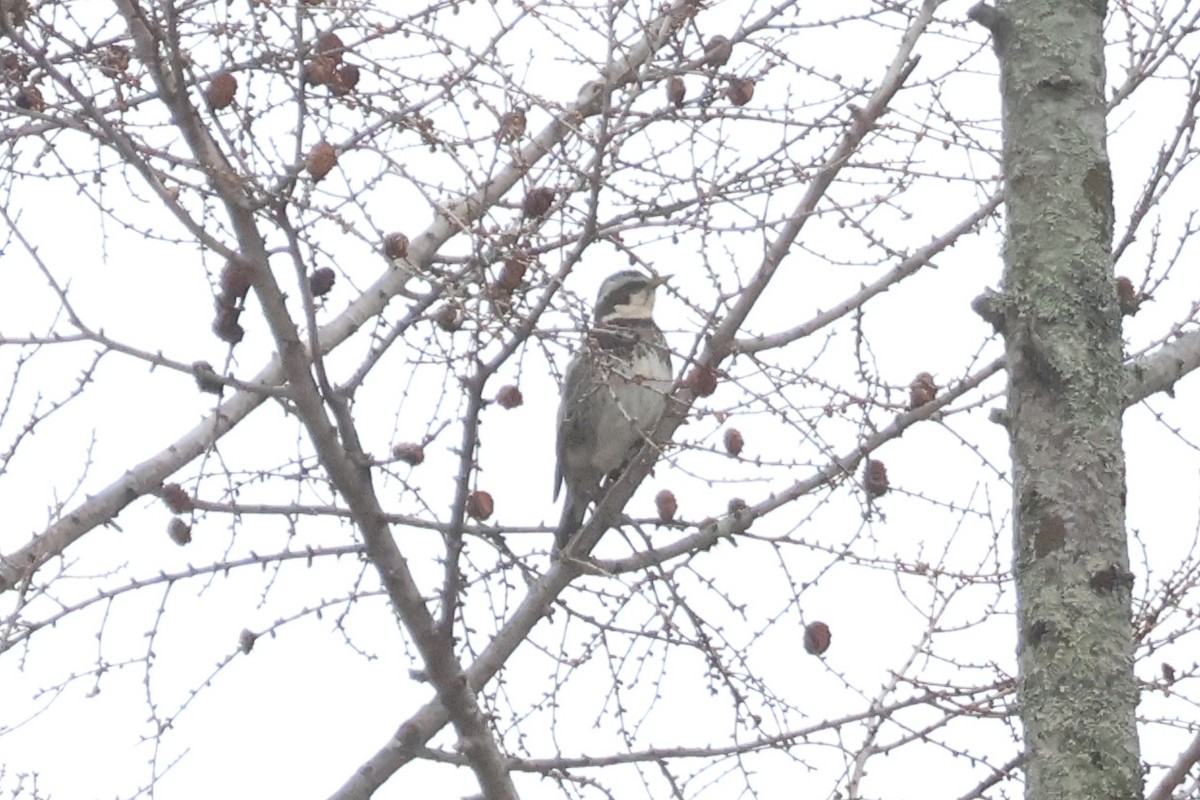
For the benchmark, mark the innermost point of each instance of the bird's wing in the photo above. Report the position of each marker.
(573, 388)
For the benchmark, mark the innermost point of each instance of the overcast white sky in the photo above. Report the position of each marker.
(297, 715)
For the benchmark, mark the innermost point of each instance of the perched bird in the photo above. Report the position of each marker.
(717, 51)
(614, 391)
(676, 90)
(512, 126)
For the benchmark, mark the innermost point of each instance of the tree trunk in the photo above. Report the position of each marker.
(1062, 326)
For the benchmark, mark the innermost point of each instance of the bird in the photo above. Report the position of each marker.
(512, 126)
(717, 51)
(676, 90)
(614, 391)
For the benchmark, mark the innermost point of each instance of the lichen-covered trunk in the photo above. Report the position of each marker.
(1077, 694)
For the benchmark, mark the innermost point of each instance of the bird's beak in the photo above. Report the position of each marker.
(659, 281)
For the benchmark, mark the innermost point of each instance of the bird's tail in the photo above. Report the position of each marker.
(574, 507)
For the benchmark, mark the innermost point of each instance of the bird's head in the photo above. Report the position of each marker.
(626, 295)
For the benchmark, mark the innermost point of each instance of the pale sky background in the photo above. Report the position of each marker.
(298, 714)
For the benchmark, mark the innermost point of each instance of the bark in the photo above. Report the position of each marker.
(1077, 695)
